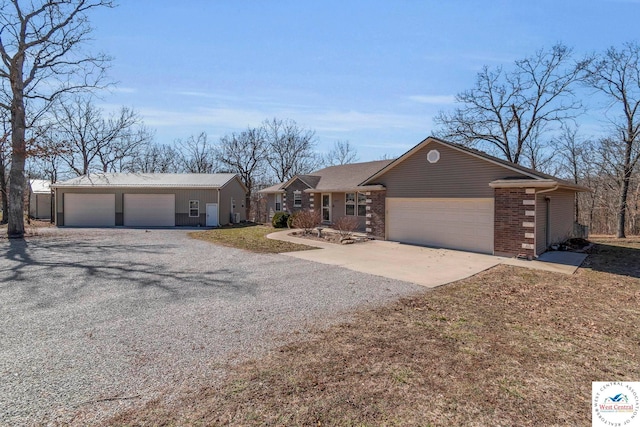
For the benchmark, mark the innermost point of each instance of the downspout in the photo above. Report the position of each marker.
(547, 213)
(219, 207)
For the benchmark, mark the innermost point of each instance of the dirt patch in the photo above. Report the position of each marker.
(32, 228)
(509, 346)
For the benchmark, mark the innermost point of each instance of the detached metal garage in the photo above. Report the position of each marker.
(150, 200)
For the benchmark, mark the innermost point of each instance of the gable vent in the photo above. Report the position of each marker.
(433, 156)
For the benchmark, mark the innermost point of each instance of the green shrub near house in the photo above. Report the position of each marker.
(280, 220)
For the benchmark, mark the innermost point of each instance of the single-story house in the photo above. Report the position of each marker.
(40, 199)
(150, 200)
(441, 194)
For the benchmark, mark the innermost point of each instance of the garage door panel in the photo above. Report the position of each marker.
(89, 210)
(149, 210)
(465, 224)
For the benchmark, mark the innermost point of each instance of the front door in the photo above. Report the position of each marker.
(326, 207)
(212, 215)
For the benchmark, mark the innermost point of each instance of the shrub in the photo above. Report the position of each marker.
(307, 220)
(291, 219)
(346, 226)
(279, 219)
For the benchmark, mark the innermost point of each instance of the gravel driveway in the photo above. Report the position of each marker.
(95, 320)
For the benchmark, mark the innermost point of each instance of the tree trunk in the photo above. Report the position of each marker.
(247, 205)
(15, 228)
(622, 208)
(3, 193)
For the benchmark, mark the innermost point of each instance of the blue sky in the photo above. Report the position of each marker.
(374, 73)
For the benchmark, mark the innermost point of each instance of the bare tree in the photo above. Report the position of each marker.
(244, 154)
(155, 158)
(387, 156)
(342, 153)
(196, 154)
(89, 142)
(125, 146)
(616, 74)
(507, 112)
(46, 156)
(5, 154)
(576, 159)
(291, 148)
(41, 50)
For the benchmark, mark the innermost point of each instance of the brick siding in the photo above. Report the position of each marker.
(514, 222)
(376, 201)
(287, 198)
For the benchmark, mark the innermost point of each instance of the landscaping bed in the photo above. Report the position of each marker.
(329, 236)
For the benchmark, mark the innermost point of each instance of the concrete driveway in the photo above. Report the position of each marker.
(424, 266)
(94, 321)
(429, 267)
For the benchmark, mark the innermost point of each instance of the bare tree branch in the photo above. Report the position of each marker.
(290, 148)
(506, 113)
(342, 153)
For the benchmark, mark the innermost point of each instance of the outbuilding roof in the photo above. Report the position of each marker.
(151, 180)
(40, 186)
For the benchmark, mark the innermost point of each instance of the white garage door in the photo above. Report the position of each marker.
(150, 210)
(465, 224)
(90, 210)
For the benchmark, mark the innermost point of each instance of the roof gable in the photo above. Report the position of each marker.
(469, 151)
(309, 180)
(349, 176)
(333, 178)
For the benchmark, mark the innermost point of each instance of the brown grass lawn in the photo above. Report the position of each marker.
(509, 346)
(251, 237)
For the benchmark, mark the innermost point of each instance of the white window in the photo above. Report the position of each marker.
(355, 203)
(278, 202)
(194, 208)
(297, 199)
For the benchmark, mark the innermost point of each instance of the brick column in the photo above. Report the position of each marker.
(375, 213)
(312, 201)
(515, 222)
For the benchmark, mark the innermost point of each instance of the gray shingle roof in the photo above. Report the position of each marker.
(142, 180)
(347, 176)
(277, 188)
(335, 178)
